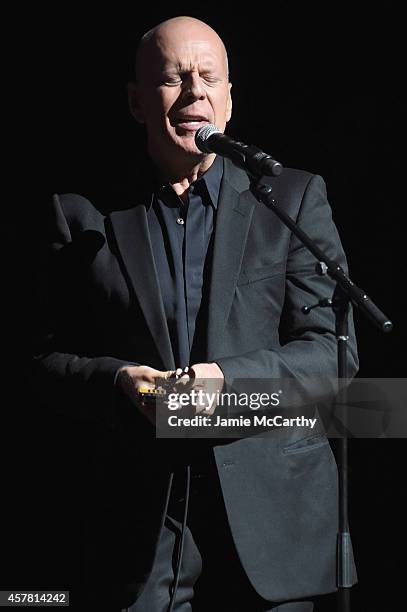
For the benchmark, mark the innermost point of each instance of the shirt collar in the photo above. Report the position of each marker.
(212, 179)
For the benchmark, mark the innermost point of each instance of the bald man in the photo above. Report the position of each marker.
(193, 280)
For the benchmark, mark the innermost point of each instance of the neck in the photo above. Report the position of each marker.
(180, 177)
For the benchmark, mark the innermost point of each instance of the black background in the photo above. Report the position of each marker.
(317, 86)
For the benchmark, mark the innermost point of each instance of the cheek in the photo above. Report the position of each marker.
(166, 98)
(220, 106)
(156, 107)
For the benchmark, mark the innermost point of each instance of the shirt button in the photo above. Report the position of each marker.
(180, 221)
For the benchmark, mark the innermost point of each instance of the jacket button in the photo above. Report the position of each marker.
(180, 221)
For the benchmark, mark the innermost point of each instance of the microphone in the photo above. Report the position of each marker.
(209, 139)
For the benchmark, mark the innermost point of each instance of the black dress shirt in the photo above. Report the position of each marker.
(181, 235)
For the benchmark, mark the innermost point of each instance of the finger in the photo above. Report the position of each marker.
(164, 375)
(184, 381)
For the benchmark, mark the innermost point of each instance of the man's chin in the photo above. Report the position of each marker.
(190, 151)
(181, 151)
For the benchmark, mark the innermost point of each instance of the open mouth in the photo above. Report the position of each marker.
(190, 122)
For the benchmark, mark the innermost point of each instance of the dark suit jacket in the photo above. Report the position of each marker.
(100, 308)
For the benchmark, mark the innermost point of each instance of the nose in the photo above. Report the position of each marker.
(193, 86)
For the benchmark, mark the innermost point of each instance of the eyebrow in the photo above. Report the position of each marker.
(209, 65)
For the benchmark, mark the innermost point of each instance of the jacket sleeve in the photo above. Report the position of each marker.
(308, 347)
(65, 381)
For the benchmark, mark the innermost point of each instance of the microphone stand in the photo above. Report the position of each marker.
(345, 292)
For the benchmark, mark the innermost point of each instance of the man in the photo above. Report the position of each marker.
(196, 274)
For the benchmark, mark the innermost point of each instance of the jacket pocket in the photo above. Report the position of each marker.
(306, 444)
(256, 274)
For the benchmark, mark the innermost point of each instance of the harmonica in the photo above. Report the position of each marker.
(151, 395)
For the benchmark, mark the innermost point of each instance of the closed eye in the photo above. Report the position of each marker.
(210, 78)
(171, 80)
(177, 79)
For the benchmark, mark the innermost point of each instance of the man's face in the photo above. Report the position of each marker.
(182, 86)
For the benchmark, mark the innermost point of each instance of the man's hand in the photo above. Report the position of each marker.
(131, 379)
(207, 380)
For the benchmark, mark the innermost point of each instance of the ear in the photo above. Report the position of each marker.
(229, 104)
(133, 97)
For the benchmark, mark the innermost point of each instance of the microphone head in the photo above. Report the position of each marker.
(203, 134)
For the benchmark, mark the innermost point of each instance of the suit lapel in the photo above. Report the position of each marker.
(133, 239)
(234, 215)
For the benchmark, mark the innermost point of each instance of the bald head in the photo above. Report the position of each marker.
(182, 84)
(155, 42)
